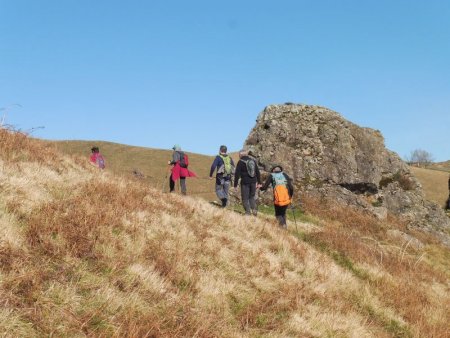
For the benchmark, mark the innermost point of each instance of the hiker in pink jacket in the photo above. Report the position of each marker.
(180, 163)
(96, 159)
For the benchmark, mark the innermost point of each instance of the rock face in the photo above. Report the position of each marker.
(332, 157)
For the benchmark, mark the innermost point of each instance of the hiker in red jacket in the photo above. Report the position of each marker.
(96, 159)
(179, 163)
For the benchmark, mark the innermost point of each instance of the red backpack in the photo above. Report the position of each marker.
(184, 160)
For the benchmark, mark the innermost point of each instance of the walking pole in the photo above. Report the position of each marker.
(166, 176)
(293, 214)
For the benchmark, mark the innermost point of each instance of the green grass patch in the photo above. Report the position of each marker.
(338, 257)
(294, 214)
(391, 325)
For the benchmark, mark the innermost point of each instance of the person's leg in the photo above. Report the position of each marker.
(226, 189)
(183, 185)
(245, 195)
(283, 215)
(280, 214)
(252, 198)
(171, 184)
(220, 190)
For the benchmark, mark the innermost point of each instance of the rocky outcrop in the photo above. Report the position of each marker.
(331, 157)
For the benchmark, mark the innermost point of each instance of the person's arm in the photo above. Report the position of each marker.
(214, 166)
(258, 174)
(175, 158)
(290, 186)
(267, 183)
(237, 174)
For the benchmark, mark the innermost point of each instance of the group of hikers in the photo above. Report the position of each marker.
(246, 173)
(228, 175)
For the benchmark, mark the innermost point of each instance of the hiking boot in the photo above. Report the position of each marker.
(255, 213)
(224, 202)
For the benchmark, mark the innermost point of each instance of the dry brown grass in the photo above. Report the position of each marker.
(404, 277)
(87, 253)
(18, 147)
(151, 163)
(434, 184)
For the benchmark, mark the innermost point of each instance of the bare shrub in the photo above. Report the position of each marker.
(16, 146)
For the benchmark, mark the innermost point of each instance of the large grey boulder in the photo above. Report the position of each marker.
(332, 157)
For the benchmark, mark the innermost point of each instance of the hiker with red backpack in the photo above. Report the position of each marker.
(225, 170)
(179, 163)
(96, 159)
(247, 172)
(282, 193)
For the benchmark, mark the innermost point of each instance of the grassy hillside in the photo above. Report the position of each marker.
(434, 183)
(152, 163)
(90, 253)
(444, 166)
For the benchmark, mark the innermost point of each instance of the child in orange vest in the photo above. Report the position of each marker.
(282, 193)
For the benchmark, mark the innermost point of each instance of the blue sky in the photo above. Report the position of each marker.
(197, 73)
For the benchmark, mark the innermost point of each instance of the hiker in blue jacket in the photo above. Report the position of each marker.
(224, 165)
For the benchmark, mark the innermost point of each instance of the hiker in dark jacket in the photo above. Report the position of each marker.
(447, 205)
(225, 170)
(250, 181)
(281, 185)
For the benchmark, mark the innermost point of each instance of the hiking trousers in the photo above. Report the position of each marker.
(280, 215)
(182, 184)
(248, 192)
(222, 188)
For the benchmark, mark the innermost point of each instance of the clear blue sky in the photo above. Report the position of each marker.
(197, 73)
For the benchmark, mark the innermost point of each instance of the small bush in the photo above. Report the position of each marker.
(403, 180)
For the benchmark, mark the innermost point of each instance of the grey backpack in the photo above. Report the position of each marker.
(251, 167)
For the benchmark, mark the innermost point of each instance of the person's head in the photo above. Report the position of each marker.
(176, 147)
(277, 169)
(95, 150)
(223, 149)
(243, 153)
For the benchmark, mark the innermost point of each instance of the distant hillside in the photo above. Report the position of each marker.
(152, 163)
(434, 184)
(85, 253)
(445, 166)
